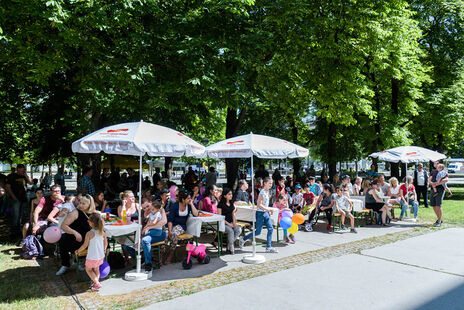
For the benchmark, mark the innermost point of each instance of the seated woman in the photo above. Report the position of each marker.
(409, 192)
(396, 195)
(209, 203)
(374, 203)
(34, 202)
(177, 220)
(76, 225)
(44, 208)
(326, 203)
(197, 197)
(364, 187)
(128, 201)
(100, 202)
(241, 195)
(153, 230)
(61, 211)
(357, 187)
(226, 207)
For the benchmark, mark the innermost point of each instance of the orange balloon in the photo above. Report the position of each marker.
(298, 218)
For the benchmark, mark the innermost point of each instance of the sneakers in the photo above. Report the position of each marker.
(437, 224)
(271, 250)
(286, 239)
(148, 267)
(329, 227)
(343, 227)
(353, 230)
(292, 238)
(62, 271)
(241, 242)
(231, 248)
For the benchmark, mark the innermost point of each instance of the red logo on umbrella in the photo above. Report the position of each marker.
(233, 142)
(412, 153)
(117, 130)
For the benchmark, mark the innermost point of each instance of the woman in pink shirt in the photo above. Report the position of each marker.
(209, 203)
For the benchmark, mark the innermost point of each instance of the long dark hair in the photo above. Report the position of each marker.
(225, 191)
(208, 193)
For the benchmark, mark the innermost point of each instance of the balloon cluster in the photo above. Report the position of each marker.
(290, 221)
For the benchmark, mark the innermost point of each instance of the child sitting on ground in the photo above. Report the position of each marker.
(442, 173)
(96, 243)
(344, 207)
(282, 205)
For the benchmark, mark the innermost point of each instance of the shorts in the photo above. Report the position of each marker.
(93, 263)
(375, 206)
(436, 198)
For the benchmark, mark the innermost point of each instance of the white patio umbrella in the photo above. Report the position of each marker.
(139, 138)
(260, 146)
(408, 154)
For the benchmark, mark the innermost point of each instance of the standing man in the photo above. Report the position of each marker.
(421, 184)
(211, 177)
(59, 179)
(16, 189)
(86, 184)
(436, 198)
(156, 176)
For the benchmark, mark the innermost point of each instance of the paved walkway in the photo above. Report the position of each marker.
(422, 272)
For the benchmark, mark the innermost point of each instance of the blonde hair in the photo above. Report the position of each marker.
(87, 199)
(97, 221)
(357, 179)
(365, 183)
(393, 179)
(441, 166)
(125, 194)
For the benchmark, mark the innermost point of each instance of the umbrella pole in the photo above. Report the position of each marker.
(137, 275)
(253, 204)
(139, 258)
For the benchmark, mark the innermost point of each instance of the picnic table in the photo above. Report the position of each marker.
(245, 213)
(122, 232)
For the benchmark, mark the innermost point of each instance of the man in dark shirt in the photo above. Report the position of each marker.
(16, 189)
(156, 176)
(261, 173)
(436, 198)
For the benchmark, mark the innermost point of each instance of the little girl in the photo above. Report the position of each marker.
(96, 242)
(282, 205)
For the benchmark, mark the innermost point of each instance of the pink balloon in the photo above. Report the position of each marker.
(52, 234)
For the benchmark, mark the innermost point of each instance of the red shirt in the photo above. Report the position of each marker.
(309, 197)
(405, 189)
(280, 191)
(208, 206)
(47, 205)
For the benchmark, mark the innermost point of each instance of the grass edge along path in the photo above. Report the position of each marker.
(184, 287)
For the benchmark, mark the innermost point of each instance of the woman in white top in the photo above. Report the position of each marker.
(396, 196)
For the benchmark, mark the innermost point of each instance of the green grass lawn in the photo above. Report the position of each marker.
(453, 208)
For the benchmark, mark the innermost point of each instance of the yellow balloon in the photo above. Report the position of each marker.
(293, 229)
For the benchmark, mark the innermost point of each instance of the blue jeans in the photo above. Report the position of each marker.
(415, 206)
(404, 208)
(153, 236)
(17, 210)
(261, 219)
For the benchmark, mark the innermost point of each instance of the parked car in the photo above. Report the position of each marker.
(455, 168)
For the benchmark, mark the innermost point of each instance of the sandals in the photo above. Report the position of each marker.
(95, 287)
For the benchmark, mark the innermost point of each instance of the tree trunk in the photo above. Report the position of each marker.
(395, 170)
(404, 169)
(295, 161)
(168, 166)
(331, 149)
(233, 123)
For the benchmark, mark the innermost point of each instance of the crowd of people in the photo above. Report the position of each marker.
(165, 206)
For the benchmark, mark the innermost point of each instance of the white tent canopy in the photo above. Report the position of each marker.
(139, 138)
(258, 145)
(408, 154)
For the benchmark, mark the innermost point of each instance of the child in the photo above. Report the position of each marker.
(346, 190)
(442, 173)
(149, 233)
(282, 205)
(308, 196)
(297, 199)
(95, 241)
(67, 207)
(344, 207)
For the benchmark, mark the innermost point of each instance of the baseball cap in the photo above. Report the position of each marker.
(297, 186)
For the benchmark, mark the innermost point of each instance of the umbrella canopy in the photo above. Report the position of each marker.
(408, 154)
(261, 146)
(123, 162)
(139, 138)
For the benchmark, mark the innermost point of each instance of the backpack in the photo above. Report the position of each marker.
(116, 260)
(32, 247)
